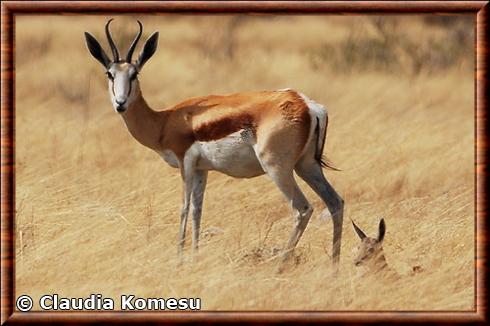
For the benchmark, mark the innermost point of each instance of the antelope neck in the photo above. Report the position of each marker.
(381, 263)
(144, 124)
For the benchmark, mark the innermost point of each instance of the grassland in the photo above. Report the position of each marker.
(98, 213)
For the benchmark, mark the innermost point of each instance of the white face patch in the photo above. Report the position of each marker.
(123, 85)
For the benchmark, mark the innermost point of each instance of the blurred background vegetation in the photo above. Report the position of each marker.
(414, 44)
(386, 45)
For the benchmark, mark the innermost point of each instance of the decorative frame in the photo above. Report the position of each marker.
(9, 9)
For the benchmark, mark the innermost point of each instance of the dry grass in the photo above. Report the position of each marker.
(98, 213)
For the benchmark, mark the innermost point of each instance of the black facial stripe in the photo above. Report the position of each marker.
(130, 85)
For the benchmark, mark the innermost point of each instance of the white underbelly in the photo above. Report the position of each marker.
(233, 155)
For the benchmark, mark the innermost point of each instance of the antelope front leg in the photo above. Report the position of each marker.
(198, 188)
(183, 217)
(187, 172)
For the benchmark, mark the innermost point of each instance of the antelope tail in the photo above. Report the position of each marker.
(321, 133)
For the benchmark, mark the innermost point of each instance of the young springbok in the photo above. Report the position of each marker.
(370, 251)
(243, 135)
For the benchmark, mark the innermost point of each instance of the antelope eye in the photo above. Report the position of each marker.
(109, 75)
(133, 76)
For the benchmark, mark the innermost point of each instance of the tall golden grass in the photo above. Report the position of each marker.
(98, 213)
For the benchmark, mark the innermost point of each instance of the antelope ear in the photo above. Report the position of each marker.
(148, 50)
(96, 50)
(358, 231)
(381, 230)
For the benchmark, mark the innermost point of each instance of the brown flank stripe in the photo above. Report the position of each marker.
(224, 126)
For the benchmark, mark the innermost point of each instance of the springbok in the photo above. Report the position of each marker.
(370, 251)
(243, 135)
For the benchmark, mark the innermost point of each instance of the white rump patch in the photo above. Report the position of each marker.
(317, 111)
(314, 106)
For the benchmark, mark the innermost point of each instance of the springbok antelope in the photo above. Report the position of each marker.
(370, 251)
(243, 135)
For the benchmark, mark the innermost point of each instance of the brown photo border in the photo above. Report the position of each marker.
(9, 9)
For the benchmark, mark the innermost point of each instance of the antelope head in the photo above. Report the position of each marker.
(122, 73)
(370, 250)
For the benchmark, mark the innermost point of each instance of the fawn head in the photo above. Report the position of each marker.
(370, 250)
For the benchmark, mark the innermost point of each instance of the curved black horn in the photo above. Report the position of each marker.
(133, 45)
(115, 53)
